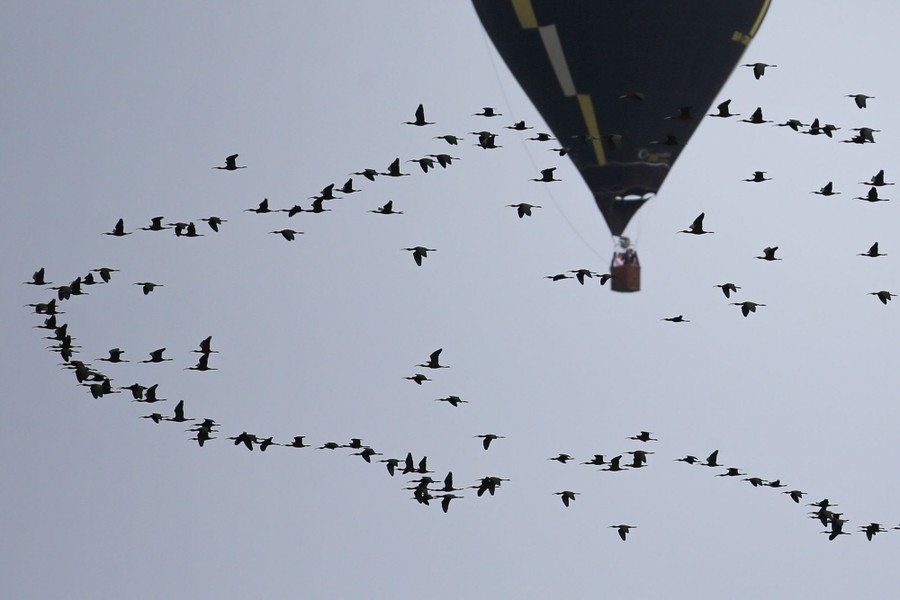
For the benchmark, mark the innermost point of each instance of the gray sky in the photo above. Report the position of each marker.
(120, 111)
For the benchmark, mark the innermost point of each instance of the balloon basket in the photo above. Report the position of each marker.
(626, 271)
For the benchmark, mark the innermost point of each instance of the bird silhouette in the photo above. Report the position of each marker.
(756, 118)
(541, 137)
(872, 252)
(347, 188)
(872, 196)
(434, 361)
(156, 224)
(883, 295)
(262, 209)
(37, 278)
(519, 126)
(723, 109)
(419, 253)
(369, 174)
(287, 234)
(119, 229)
(614, 464)
(202, 364)
(547, 175)
(643, 436)
(758, 177)
(425, 163)
(826, 190)
(860, 99)
(488, 111)
(115, 356)
(675, 319)
(523, 208)
(566, 496)
(326, 194)
(580, 274)
(728, 288)
(420, 118)
(148, 286)
(205, 346)
(452, 400)
(444, 160)
(214, 222)
(768, 253)
(394, 169)
(792, 123)
(418, 378)
(178, 417)
(877, 180)
(623, 530)
(387, 209)
(711, 459)
(156, 356)
(562, 458)
(696, 227)
(747, 307)
(487, 438)
(105, 273)
(731, 472)
(230, 164)
(453, 140)
(759, 69)
(597, 460)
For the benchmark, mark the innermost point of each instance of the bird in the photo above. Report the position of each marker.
(563, 458)
(202, 364)
(445, 500)
(566, 496)
(367, 453)
(150, 393)
(155, 417)
(883, 295)
(623, 530)
(683, 114)
(872, 196)
(262, 209)
(317, 207)
(487, 140)
(487, 438)
(489, 484)
(866, 134)
(347, 188)
(326, 194)
(689, 459)
(643, 436)
(419, 252)
(420, 118)
(205, 346)
(696, 227)
(394, 169)
(795, 495)
(523, 208)
(614, 465)
(826, 190)
(755, 481)
(604, 277)
(728, 288)
(488, 111)
(444, 160)
(759, 69)
(287, 234)
(230, 164)
(747, 307)
(115, 356)
(148, 286)
(136, 389)
(872, 252)
(248, 439)
(391, 464)
(204, 434)
(119, 229)
(580, 274)
(547, 175)
(758, 177)
(387, 209)
(768, 253)
(369, 174)
(155, 225)
(453, 140)
(756, 118)
(179, 413)
(156, 356)
(298, 443)
(425, 163)
(711, 460)
(792, 123)
(558, 277)
(723, 109)
(877, 180)
(731, 472)
(452, 400)
(676, 319)
(214, 222)
(597, 460)
(541, 137)
(775, 483)
(519, 126)
(860, 99)
(871, 529)
(418, 378)
(37, 278)
(105, 273)
(433, 361)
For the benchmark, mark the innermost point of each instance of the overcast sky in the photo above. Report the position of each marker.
(119, 110)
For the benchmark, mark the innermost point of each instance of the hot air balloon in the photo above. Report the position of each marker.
(623, 83)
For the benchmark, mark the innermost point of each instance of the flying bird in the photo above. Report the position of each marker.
(756, 118)
(723, 109)
(156, 357)
(523, 208)
(487, 438)
(728, 288)
(696, 227)
(230, 164)
(747, 307)
(488, 111)
(444, 160)
(758, 177)
(759, 69)
(434, 361)
(419, 252)
(547, 175)
(287, 234)
(872, 252)
(418, 378)
(420, 118)
(643, 436)
(453, 140)
(826, 190)
(519, 126)
(877, 180)
(148, 286)
(394, 169)
(566, 496)
(214, 222)
(119, 229)
(860, 99)
(387, 209)
(623, 530)
(452, 400)
(675, 319)
(872, 196)
(883, 295)
(768, 253)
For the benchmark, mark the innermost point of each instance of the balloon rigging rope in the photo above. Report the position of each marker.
(547, 191)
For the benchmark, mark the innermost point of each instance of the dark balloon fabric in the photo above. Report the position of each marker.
(623, 83)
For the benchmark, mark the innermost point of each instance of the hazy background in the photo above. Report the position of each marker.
(120, 110)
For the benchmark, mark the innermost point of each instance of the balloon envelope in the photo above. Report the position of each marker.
(623, 83)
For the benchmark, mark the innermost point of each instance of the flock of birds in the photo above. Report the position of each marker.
(425, 488)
